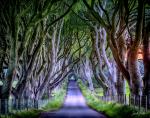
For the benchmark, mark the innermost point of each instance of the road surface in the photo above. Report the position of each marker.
(74, 106)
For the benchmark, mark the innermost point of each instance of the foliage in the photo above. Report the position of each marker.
(33, 113)
(112, 110)
(127, 89)
(41, 42)
(54, 104)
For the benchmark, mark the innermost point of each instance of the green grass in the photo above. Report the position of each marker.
(32, 113)
(127, 89)
(54, 104)
(99, 91)
(112, 110)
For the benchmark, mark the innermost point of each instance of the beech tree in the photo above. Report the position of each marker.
(111, 26)
(25, 27)
(42, 42)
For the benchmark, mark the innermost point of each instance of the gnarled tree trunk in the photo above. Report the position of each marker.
(146, 48)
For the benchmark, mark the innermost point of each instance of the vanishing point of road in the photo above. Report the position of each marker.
(74, 106)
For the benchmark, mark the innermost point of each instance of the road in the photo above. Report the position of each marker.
(74, 106)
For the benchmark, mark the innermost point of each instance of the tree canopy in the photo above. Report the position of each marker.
(42, 42)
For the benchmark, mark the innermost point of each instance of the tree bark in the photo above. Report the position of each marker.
(88, 74)
(137, 82)
(146, 51)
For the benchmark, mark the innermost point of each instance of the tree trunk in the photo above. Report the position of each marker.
(110, 65)
(120, 84)
(137, 82)
(146, 51)
(88, 74)
(2, 55)
(5, 92)
(122, 46)
(99, 58)
(122, 53)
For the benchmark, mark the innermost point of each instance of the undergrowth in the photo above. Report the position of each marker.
(111, 110)
(54, 104)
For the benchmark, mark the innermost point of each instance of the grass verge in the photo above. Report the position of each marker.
(54, 104)
(56, 101)
(112, 110)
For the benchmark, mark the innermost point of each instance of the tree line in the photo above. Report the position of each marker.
(42, 42)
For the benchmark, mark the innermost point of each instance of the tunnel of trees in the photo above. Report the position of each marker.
(42, 42)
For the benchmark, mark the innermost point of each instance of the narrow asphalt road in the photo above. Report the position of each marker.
(74, 106)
